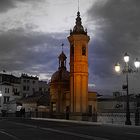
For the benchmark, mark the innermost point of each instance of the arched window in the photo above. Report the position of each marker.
(84, 50)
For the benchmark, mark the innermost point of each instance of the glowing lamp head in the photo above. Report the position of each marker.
(137, 63)
(126, 58)
(117, 67)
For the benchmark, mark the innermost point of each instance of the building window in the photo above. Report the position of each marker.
(84, 50)
(24, 81)
(6, 99)
(33, 82)
(24, 88)
(6, 90)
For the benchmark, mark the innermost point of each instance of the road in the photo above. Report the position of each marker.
(25, 129)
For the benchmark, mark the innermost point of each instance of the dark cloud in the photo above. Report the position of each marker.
(116, 31)
(5, 5)
(32, 1)
(114, 23)
(32, 52)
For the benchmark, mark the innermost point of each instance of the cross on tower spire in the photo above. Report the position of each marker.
(62, 46)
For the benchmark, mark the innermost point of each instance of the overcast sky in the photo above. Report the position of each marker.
(31, 33)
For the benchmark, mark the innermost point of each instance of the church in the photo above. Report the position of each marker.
(69, 90)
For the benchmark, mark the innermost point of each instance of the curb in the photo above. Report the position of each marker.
(86, 122)
(68, 121)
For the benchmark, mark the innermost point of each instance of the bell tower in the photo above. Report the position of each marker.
(78, 40)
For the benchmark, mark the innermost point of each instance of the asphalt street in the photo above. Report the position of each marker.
(26, 129)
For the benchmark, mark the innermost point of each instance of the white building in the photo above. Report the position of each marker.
(9, 89)
(13, 88)
(29, 85)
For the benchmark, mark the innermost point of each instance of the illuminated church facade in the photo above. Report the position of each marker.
(69, 90)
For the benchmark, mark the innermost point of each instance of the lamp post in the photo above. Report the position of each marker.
(0, 97)
(0, 94)
(127, 69)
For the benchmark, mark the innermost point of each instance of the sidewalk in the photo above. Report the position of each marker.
(86, 122)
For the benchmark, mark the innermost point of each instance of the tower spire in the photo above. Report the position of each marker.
(62, 46)
(78, 28)
(62, 59)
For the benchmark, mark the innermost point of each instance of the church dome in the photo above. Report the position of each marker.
(60, 76)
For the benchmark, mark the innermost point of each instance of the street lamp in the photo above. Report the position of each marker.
(127, 69)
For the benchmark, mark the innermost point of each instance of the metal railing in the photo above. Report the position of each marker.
(103, 117)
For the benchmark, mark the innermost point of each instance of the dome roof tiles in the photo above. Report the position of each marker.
(60, 76)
